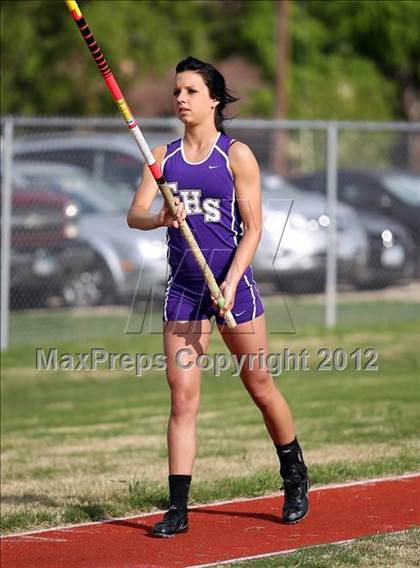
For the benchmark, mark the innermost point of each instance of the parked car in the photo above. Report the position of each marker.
(293, 247)
(113, 158)
(392, 252)
(46, 252)
(120, 255)
(393, 228)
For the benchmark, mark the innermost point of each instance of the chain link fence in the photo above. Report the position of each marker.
(341, 209)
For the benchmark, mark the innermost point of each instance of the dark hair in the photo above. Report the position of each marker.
(215, 83)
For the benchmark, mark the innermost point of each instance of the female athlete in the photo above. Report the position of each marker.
(216, 184)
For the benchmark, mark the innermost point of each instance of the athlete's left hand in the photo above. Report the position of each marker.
(228, 290)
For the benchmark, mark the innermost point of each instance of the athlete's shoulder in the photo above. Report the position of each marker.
(159, 152)
(238, 147)
(240, 154)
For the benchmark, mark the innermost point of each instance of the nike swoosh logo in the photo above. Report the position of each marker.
(213, 167)
(240, 313)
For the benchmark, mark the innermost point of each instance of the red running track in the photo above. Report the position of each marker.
(222, 532)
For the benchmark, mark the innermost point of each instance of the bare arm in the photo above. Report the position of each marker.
(248, 193)
(139, 216)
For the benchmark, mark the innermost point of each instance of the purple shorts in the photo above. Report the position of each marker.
(188, 303)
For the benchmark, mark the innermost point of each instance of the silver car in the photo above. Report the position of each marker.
(113, 158)
(126, 261)
(293, 248)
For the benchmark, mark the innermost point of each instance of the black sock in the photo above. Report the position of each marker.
(178, 488)
(290, 455)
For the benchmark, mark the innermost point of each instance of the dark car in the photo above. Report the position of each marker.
(388, 205)
(46, 251)
(391, 252)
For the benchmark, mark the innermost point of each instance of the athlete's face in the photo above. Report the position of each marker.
(192, 101)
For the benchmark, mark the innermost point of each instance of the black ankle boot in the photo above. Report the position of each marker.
(174, 521)
(296, 482)
(296, 486)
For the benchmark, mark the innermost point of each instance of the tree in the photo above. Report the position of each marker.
(46, 69)
(349, 58)
(386, 33)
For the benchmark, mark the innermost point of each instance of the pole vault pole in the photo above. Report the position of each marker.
(154, 167)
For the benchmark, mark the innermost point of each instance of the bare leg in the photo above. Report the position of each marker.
(249, 338)
(193, 338)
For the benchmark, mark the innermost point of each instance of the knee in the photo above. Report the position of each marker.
(262, 392)
(184, 404)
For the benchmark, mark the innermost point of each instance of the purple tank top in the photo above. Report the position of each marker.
(208, 193)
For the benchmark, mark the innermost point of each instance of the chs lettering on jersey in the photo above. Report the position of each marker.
(195, 205)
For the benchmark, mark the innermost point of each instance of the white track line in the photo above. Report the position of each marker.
(215, 504)
(42, 538)
(267, 555)
(290, 551)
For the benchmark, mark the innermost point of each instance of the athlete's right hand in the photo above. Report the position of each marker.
(167, 219)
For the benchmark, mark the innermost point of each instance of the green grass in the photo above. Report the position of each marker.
(388, 551)
(80, 446)
(285, 315)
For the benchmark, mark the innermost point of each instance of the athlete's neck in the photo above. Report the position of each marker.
(200, 136)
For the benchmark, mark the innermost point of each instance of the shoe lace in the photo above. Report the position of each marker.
(292, 484)
(173, 514)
